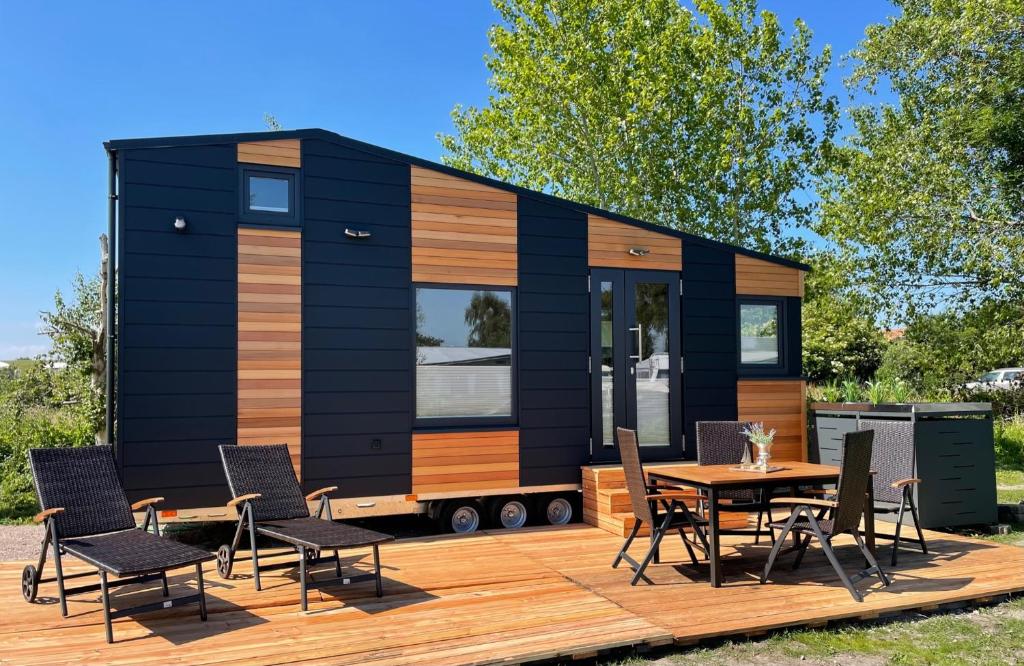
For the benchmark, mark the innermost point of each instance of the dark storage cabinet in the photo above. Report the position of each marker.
(954, 455)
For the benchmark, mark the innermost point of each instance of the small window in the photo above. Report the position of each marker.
(759, 334)
(463, 355)
(269, 196)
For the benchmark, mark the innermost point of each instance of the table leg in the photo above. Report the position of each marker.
(714, 556)
(654, 514)
(795, 491)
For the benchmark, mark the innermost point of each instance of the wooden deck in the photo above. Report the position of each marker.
(503, 596)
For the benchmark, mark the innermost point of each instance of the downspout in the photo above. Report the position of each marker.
(111, 277)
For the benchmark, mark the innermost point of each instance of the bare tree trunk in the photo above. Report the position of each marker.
(99, 352)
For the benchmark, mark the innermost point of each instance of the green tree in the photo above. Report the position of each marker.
(489, 318)
(710, 121)
(927, 193)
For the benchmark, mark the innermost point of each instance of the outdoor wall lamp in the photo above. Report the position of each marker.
(639, 251)
(180, 224)
(355, 233)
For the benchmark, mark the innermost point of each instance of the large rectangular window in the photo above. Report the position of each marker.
(760, 328)
(463, 354)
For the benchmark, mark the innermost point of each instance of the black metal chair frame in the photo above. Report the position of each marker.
(32, 576)
(803, 508)
(759, 501)
(677, 516)
(307, 555)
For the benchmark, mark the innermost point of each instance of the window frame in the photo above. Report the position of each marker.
(263, 217)
(755, 369)
(464, 422)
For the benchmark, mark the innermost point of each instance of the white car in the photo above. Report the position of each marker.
(1003, 378)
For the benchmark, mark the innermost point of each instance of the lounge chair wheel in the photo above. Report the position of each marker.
(224, 561)
(29, 583)
(558, 511)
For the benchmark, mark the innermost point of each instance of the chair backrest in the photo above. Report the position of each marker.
(853, 480)
(892, 457)
(265, 469)
(721, 442)
(82, 480)
(636, 481)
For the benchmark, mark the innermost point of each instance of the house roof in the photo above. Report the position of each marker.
(324, 135)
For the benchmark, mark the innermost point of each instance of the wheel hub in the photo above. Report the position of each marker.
(559, 511)
(513, 515)
(465, 519)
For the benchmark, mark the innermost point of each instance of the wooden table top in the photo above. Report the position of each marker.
(723, 475)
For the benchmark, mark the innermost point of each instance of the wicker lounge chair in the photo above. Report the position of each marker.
(723, 443)
(87, 515)
(845, 514)
(645, 500)
(269, 501)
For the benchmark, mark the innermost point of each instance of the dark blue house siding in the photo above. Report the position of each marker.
(554, 395)
(709, 338)
(356, 315)
(177, 304)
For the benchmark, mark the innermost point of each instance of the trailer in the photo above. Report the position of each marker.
(427, 339)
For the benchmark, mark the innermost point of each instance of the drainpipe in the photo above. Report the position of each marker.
(111, 277)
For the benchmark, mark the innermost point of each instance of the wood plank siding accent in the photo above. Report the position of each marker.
(609, 242)
(284, 153)
(270, 339)
(464, 461)
(756, 277)
(779, 404)
(462, 232)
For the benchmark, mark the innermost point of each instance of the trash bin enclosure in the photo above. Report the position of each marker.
(953, 451)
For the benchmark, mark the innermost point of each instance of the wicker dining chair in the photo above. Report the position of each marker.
(892, 459)
(645, 499)
(87, 516)
(723, 443)
(269, 501)
(845, 514)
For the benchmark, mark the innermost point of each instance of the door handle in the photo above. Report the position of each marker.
(638, 329)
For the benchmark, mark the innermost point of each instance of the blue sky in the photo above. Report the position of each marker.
(76, 74)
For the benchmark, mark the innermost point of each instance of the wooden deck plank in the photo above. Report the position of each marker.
(502, 596)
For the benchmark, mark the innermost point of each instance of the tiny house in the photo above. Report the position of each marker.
(427, 339)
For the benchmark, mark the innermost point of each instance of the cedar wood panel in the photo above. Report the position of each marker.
(609, 243)
(446, 462)
(283, 153)
(756, 277)
(462, 232)
(270, 339)
(779, 404)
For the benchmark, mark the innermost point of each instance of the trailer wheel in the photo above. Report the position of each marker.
(225, 560)
(558, 510)
(509, 512)
(29, 583)
(461, 516)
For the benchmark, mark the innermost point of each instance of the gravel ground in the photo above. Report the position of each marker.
(20, 542)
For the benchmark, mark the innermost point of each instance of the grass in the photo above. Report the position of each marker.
(984, 636)
(1010, 485)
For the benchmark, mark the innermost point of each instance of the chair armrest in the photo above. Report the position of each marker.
(243, 498)
(904, 482)
(672, 494)
(43, 515)
(805, 501)
(141, 504)
(820, 491)
(317, 493)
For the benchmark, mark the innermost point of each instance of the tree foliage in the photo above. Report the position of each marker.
(927, 193)
(710, 121)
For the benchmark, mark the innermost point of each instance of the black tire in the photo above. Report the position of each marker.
(461, 516)
(560, 509)
(29, 583)
(225, 560)
(510, 513)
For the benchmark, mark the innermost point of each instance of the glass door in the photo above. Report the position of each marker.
(635, 362)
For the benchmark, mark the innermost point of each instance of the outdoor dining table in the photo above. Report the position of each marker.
(713, 479)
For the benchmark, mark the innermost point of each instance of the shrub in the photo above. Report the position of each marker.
(1009, 442)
